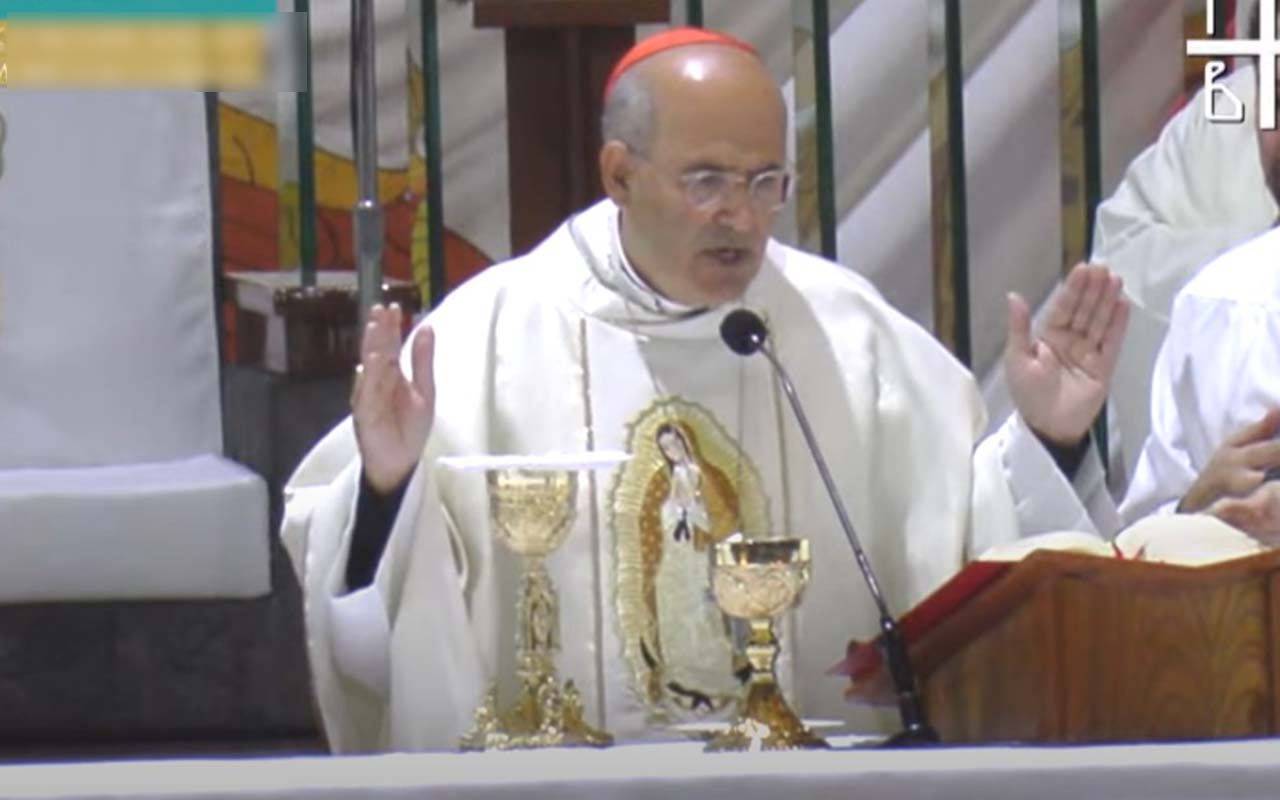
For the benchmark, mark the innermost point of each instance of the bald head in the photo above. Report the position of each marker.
(666, 88)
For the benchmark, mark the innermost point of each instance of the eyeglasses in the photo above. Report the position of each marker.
(708, 188)
(705, 188)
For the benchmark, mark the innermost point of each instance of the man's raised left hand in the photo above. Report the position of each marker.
(1060, 378)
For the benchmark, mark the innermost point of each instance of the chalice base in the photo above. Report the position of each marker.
(545, 715)
(765, 722)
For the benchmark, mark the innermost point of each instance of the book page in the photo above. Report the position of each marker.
(1060, 541)
(1187, 539)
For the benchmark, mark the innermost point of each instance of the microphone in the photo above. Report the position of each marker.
(745, 334)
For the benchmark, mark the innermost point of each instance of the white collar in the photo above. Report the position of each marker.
(656, 302)
(609, 295)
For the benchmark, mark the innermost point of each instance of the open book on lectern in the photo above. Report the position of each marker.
(1189, 540)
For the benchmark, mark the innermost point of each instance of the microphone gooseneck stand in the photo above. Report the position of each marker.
(745, 334)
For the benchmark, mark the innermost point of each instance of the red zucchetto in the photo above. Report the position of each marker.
(670, 40)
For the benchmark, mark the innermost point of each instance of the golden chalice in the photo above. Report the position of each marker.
(756, 580)
(532, 506)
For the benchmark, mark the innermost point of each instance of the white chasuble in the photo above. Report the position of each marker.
(560, 351)
(1218, 370)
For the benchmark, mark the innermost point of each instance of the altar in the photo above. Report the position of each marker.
(1224, 769)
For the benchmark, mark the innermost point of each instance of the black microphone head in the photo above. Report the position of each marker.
(743, 331)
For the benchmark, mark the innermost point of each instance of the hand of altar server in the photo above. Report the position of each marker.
(392, 412)
(1233, 485)
(1059, 379)
(1258, 514)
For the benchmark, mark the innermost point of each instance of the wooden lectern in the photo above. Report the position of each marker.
(1068, 648)
(559, 54)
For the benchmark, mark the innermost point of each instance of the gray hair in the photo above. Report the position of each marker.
(629, 115)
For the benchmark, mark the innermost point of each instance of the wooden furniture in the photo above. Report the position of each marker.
(559, 55)
(1074, 648)
(286, 328)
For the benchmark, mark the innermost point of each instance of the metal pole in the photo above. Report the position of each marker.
(367, 213)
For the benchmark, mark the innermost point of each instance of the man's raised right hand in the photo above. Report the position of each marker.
(392, 413)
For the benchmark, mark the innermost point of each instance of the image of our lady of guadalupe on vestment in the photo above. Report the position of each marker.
(683, 510)
(674, 500)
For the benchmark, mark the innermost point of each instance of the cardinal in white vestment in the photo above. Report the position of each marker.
(1201, 189)
(605, 337)
(1215, 395)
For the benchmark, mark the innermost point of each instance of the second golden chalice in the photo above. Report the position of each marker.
(756, 580)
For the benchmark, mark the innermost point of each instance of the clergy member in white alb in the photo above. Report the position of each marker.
(1215, 395)
(605, 337)
(1201, 189)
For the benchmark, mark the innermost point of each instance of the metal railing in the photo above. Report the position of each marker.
(1081, 167)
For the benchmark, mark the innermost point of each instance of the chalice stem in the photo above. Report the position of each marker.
(539, 614)
(765, 718)
(762, 652)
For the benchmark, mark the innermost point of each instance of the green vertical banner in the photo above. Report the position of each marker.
(1091, 77)
(296, 168)
(805, 129)
(421, 14)
(825, 126)
(434, 288)
(1071, 136)
(948, 180)
(1079, 120)
(815, 149)
(306, 148)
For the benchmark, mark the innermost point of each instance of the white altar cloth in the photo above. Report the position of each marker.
(1245, 769)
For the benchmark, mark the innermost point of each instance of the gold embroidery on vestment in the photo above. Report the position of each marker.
(688, 485)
